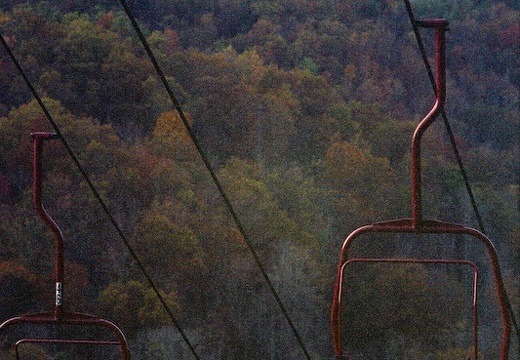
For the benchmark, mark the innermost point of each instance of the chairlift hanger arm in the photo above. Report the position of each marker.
(440, 26)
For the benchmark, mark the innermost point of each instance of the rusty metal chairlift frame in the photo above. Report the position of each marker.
(59, 317)
(417, 225)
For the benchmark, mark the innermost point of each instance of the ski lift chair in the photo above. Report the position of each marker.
(417, 226)
(59, 318)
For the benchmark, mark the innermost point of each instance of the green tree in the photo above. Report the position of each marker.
(78, 58)
(362, 184)
(127, 104)
(265, 38)
(133, 305)
(391, 139)
(289, 252)
(313, 129)
(172, 252)
(32, 38)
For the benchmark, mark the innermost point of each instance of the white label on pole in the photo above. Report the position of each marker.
(59, 293)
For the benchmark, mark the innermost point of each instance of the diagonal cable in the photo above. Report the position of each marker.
(215, 179)
(420, 43)
(98, 196)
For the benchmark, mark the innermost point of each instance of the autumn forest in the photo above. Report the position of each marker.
(305, 110)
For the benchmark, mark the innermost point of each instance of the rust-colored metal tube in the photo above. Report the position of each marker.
(59, 317)
(440, 26)
(38, 139)
(417, 224)
(427, 227)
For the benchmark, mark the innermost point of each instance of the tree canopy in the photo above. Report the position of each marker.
(305, 109)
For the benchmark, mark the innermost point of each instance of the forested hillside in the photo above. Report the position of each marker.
(305, 109)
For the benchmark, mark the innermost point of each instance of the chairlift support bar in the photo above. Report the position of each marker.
(416, 224)
(59, 317)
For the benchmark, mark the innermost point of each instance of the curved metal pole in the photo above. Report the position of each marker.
(58, 317)
(38, 139)
(440, 26)
(501, 291)
(335, 318)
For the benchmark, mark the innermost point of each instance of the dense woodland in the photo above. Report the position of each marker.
(305, 109)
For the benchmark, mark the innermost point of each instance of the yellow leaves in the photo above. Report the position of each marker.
(251, 66)
(4, 18)
(170, 124)
(361, 184)
(171, 137)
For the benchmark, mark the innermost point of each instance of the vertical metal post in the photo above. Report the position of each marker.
(38, 139)
(441, 26)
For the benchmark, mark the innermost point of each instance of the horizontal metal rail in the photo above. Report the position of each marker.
(60, 341)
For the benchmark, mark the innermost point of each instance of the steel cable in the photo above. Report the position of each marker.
(98, 197)
(214, 177)
(462, 170)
